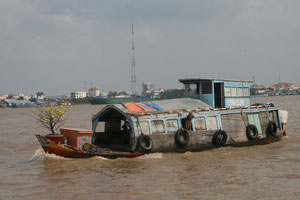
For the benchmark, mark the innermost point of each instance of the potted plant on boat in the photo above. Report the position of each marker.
(52, 118)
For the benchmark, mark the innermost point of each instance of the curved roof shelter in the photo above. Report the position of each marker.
(120, 111)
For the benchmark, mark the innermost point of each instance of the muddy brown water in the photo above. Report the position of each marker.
(259, 172)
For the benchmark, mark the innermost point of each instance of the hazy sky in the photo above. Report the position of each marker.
(55, 46)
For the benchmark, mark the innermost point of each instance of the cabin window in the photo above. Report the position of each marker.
(199, 123)
(212, 123)
(142, 127)
(206, 88)
(172, 125)
(227, 92)
(246, 92)
(237, 92)
(234, 92)
(157, 127)
(240, 92)
(193, 89)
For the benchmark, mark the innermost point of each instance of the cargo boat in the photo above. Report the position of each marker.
(216, 113)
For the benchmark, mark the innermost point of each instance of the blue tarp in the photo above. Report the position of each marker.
(152, 105)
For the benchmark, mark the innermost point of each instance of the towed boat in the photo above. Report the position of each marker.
(87, 150)
(219, 114)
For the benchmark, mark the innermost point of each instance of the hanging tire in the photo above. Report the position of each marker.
(182, 137)
(219, 138)
(272, 129)
(252, 132)
(145, 143)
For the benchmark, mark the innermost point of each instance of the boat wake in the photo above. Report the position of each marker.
(152, 156)
(101, 158)
(40, 154)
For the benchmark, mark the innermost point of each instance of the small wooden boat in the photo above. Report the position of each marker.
(68, 151)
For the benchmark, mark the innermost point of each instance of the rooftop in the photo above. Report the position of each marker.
(212, 79)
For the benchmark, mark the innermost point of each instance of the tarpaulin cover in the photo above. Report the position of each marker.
(134, 107)
(152, 105)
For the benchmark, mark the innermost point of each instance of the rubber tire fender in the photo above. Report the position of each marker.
(182, 133)
(145, 143)
(252, 132)
(216, 140)
(272, 129)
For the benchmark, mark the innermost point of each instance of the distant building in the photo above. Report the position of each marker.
(12, 96)
(104, 94)
(26, 97)
(78, 95)
(282, 86)
(94, 92)
(153, 93)
(40, 96)
(3, 97)
(147, 86)
(23, 97)
(33, 96)
(158, 91)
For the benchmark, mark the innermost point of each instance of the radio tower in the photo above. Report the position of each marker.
(133, 76)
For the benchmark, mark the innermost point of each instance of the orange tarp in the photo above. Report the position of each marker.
(134, 107)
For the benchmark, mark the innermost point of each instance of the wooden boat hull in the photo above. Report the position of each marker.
(70, 152)
(51, 147)
(262, 141)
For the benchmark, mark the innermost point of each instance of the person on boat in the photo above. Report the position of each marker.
(126, 127)
(126, 130)
(188, 124)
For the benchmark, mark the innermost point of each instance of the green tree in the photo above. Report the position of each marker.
(33, 99)
(172, 94)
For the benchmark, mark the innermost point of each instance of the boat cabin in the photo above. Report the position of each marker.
(117, 125)
(219, 93)
(120, 126)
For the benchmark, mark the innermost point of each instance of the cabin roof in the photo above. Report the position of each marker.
(211, 79)
(170, 104)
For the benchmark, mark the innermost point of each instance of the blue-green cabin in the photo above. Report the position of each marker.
(219, 93)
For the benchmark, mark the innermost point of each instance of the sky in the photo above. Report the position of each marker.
(56, 46)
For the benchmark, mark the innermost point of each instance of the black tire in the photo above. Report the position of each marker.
(219, 138)
(252, 132)
(145, 143)
(182, 137)
(272, 129)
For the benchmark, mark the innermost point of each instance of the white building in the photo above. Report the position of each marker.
(94, 92)
(147, 86)
(24, 96)
(78, 95)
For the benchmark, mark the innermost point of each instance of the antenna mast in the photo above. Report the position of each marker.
(133, 76)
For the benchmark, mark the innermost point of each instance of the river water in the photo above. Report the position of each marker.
(259, 172)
